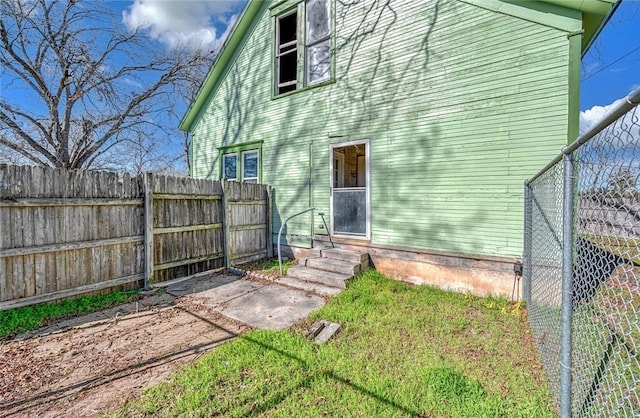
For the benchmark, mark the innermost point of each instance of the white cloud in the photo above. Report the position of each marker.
(133, 83)
(616, 145)
(590, 68)
(590, 117)
(618, 69)
(194, 23)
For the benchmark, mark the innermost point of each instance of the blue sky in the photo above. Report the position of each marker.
(611, 67)
(206, 23)
(168, 23)
(173, 22)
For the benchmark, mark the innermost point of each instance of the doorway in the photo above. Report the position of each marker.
(350, 184)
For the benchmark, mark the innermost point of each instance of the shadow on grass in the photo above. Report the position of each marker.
(282, 395)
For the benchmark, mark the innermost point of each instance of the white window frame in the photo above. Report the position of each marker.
(250, 179)
(300, 48)
(285, 49)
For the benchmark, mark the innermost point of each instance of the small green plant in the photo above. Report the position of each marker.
(517, 308)
(469, 297)
(268, 267)
(272, 266)
(16, 321)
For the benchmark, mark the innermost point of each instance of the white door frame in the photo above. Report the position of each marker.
(367, 151)
(340, 157)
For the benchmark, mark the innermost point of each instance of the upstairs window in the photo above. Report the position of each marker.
(303, 55)
(287, 53)
(318, 43)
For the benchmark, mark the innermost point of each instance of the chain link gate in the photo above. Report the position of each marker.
(582, 268)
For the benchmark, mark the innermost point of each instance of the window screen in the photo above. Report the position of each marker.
(250, 166)
(318, 53)
(229, 163)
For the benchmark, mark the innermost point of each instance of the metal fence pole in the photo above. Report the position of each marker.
(567, 285)
(526, 258)
(582, 288)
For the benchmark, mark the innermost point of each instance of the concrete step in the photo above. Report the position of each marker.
(327, 278)
(309, 286)
(315, 252)
(332, 265)
(354, 257)
(322, 241)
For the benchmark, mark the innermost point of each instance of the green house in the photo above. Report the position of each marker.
(409, 125)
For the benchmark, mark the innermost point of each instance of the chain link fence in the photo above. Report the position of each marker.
(582, 268)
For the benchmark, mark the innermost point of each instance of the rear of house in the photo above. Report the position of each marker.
(410, 125)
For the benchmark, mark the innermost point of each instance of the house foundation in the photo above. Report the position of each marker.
(464, 273)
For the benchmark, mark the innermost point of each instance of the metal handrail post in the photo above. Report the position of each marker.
(280, 233)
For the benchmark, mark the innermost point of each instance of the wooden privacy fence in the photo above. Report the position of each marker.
(65, 233)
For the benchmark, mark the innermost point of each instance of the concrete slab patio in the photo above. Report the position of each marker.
(257, 304)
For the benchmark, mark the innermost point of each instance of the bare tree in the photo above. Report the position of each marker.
(89, 88)
(195, 75)
(623, 180)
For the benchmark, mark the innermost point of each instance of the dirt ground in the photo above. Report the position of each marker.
(95, 367)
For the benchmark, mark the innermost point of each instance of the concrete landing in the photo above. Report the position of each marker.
(259, 305)
(272, 307)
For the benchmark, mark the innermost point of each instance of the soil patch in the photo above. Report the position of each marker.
(95, 367)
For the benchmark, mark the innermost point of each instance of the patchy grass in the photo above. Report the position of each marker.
(402, 351)
(16, 321)
(268, 267)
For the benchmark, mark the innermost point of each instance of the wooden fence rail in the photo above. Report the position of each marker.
(65, 233)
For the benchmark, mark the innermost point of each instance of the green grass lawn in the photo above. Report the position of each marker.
(402, 351)
(15, 321)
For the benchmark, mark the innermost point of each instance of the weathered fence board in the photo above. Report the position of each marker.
(247, 218)
(62, 230)
(63, 233)
(187, 227)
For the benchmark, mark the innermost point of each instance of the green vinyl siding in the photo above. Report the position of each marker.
(460, 103)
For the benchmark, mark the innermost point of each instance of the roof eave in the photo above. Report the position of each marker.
(589, 39)
(595, 14)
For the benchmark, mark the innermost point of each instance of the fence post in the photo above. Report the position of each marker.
(269, 225)
(225, 225)
(528, 237)
(567, 285)
(148, 228)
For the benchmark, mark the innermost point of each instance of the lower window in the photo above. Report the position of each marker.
(250, 166)
(229, 166)
(240, 163)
